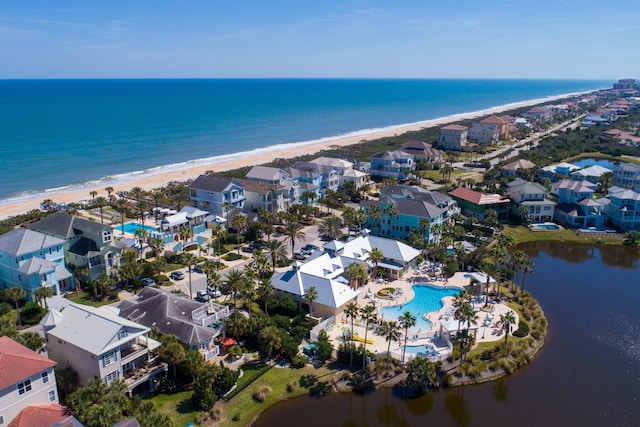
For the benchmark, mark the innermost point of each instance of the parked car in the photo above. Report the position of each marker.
(356, 199)
(214, 293)
(202, 295)
(147, 281)
(247, 249)
(310, 248)
(299, 256)
(197, 268)
(177, 275)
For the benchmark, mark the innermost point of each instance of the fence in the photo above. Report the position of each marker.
(325, 324)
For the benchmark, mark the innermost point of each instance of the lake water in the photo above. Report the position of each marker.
(583, 163)
(587, 374)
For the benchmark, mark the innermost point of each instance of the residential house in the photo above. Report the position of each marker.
(326, 272)
(216, 195)
(400, 191)
(345, 170)
(392, 164)
(557, 171)
(483, 133)
(452, 137)
(423, 152)
(622, 208)
(87, 243)
(510, 169)
(275, 176)
(576, 207)
(195, 324)
(409, 213)
(627, 175)
(48, 415)
(97, 343)
(273, 198)
(30, 260)
(505, 124)
(590, 173)
(171, 228)
(328, 176)
(521, 123)
(27, 379)
(533, 197)
(623, 137)
(475, 204)
(538, 113)
(306, 181)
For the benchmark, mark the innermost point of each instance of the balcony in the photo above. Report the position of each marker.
(152, 368)
(209, 354)
(137, 348)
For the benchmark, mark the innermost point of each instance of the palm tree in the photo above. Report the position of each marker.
(277, 252)
(527, 268)
(292, 232)
(235, 279)
(109, 191)
(189, 260)
(122, 206)
(15, 295)
(93, 194)
(391, 332)
(172, 350)
(375, 213)
(506, 320)
(368, 315)
(101, 202)
(214, 280)
(158, 196)
(265, 290)
(137, 193)
(311, 295)
(349, 218)
(308, 195)
(141, 234)
(42, 293)
(375, 256)
(185, 234)
(360, 218)
(31, 340)
(392, 210)
(606, 180)
(407, 320)
(239, 223)
(331, 227)
(354, 272)
(352, 310)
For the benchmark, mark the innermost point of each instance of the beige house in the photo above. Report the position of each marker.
(511, 168)
(504, 125)
(97, 343)
(26, 378)
(452, 137)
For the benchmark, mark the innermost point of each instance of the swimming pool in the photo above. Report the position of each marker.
(427, 299)
(132, 227)
(545, 226)
(419, 350)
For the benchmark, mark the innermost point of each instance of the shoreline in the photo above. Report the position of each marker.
(162, 175)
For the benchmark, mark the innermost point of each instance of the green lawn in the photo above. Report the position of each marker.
(86, 299)
(523, 234)
(177, 406)
(246, 408)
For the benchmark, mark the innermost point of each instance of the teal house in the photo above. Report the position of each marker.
(30, 260)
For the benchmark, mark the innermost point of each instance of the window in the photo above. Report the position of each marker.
(111, 377)
(24, 387)
(52, 396)
(45, 377)
(109, 358)
(122, 334)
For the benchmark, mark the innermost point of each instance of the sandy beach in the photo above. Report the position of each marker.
(159, 179)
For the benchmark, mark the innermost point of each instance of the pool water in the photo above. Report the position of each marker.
(132, 227)
(545, 226)
(422, 350)
(427, 299)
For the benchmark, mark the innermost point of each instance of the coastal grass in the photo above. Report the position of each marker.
(87, 299)
(178, 406)
(243, 407)
(597, 155)
(522, 234)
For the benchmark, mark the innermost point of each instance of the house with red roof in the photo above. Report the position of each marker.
(26, 379)
(476, 204)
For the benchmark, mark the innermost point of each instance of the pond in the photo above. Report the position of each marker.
(605, 163)
(587, 374)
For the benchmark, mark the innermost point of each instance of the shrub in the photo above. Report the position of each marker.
(291, 387)
(262, 393)
(216, 414)
(231, 256)
(5, 308)
(236, 417)
(523, 329)
(31, 313)
(298, 361)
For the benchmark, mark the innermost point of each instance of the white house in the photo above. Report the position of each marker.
(452, 137)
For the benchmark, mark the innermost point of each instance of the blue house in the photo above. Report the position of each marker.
(392, 164)
(30, 260)
(408, 216)
(216, 195)
(622, 208)
(576, 207)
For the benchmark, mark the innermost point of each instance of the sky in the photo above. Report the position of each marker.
(573, 39)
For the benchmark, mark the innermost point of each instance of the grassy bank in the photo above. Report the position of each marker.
(523, 234)
(601, 156)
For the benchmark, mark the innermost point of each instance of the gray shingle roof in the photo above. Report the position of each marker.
(213, 183)
(170, 314)
(65, 225)
(264, 173)
(23, 241)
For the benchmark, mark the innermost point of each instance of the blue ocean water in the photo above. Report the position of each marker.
(58, 133)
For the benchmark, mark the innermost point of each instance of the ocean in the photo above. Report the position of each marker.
(62, 134)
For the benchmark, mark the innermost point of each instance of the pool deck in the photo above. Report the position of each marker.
(418, 337)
